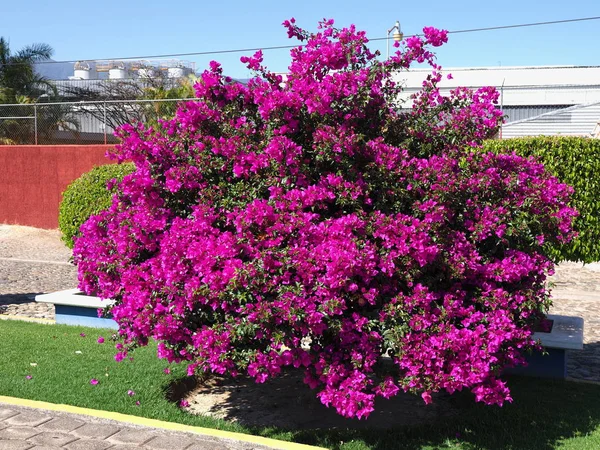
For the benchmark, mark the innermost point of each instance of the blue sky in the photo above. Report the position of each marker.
(109, 28)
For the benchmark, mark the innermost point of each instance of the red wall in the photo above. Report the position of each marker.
(33, 177)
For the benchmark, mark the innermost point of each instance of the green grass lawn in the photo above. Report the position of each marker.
(545, 414)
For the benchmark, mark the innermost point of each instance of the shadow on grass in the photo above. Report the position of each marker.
(180, 388)
(544, 413)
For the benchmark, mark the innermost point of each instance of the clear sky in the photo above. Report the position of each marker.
(110, 29)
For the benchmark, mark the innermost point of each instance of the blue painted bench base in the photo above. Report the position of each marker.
(566, 335)
(72, 307)
(79, 315)
(551, 365)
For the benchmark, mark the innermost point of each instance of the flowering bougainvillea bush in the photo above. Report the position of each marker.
(309, 222)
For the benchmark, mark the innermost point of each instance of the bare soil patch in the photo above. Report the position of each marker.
(287, 402)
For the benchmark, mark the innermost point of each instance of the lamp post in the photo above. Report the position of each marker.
(398, 35)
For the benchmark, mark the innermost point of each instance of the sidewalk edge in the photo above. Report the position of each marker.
(26, 319)
(154, 423)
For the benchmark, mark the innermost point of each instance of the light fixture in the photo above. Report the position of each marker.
(397, 36)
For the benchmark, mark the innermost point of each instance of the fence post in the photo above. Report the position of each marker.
(35, 123)
(104, 123)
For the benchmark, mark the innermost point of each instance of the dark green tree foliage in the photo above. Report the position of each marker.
(21, 86)
(18, 78)
(574, 161)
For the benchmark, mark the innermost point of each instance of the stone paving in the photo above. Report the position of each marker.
(24, 428)
(576, 292)
(32, 262)
(35, 261)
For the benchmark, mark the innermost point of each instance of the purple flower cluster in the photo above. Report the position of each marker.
(306, 222)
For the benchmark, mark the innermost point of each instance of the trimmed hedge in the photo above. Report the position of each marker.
(86, 196)
(574, 161)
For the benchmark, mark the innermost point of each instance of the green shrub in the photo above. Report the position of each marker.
(574, 161)
(86, 196)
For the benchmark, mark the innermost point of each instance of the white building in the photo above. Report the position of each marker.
(578, 120)
(529, 96)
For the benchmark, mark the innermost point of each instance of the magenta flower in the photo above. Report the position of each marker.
(100, 340)
(137, 403)
(28, 377)
(130, 393)
(82, 334)
(93, 381)
(426, 396)
(183, 403)
(167, 370)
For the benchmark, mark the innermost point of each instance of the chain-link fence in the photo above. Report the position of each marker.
(77, 122)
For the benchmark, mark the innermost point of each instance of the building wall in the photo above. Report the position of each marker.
(519, 86)
(579, 120)
(516, 113)
(33, 177)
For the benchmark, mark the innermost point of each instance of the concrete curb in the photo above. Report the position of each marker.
(37, 261)
(153, 423)
(27, 319)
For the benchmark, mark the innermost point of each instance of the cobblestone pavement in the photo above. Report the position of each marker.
(32, 262)
(23, 428)
(35, 261)
(576, 292)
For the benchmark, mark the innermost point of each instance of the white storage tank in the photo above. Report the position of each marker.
(146, 72)
(176, 72)
(82, 70)
(117, 71)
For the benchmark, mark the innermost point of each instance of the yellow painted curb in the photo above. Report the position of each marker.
(26, 319)
(157, 423)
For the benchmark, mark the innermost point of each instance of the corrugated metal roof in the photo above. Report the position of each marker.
(579, 120)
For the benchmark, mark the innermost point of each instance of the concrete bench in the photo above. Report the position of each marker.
(566, 335)
(73, 307)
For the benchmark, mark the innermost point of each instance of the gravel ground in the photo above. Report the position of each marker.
(576, 292)
(34, 261)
